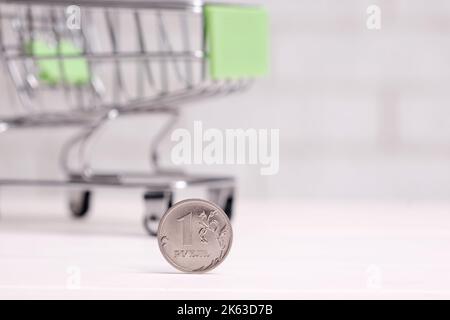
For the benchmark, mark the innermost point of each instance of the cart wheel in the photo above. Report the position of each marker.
(223, 197)
(79, 203)
(156, 204)
(229, 206)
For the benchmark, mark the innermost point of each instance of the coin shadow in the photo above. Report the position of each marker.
(162, 272)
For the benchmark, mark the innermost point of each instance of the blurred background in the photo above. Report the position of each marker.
(363, 114)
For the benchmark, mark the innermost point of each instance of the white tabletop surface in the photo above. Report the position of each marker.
(282, 250)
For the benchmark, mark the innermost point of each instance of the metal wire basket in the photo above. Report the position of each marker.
(85, 65)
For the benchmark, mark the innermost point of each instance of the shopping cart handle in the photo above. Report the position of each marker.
(238, 41)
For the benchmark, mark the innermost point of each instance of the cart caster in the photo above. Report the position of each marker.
(156, 204)
(224, 198)
(79, 203)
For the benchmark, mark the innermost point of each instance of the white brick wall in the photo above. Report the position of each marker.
(363, 114)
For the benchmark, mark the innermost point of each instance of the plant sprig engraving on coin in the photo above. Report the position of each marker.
(209, 224)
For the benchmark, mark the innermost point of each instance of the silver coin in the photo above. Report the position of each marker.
(195, 235)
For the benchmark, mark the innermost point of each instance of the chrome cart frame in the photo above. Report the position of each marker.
(170, 62)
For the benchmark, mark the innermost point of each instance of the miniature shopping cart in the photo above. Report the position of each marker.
(87, 63)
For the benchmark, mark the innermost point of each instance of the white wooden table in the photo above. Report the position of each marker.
(282, 250)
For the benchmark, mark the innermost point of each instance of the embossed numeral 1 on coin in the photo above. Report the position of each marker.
(186, 229)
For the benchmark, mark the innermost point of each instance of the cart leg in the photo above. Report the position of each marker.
(223, 197)
(156, 204)
(79, 203)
